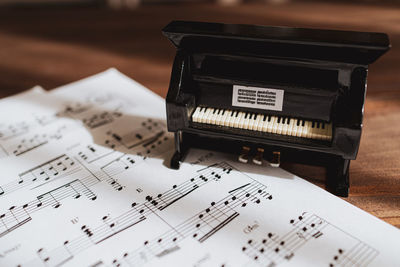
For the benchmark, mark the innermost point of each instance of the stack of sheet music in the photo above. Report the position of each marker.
(85, 182)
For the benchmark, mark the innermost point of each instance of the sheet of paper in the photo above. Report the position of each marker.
(103, 195)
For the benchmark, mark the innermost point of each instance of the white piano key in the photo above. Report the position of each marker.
(280, 125)
(253, 117)
(237, 119)
(224, 117)
(228, 118)
(295, 127)
(248, 121)
(205, 115)
(200, 115)
(233, 118)
(196, 114)
(242, 119)
(308, 129)
(290, 127)
(273, 123)
(315, 130)
(214, 116)
(257, 126)
(285, 126)
(209, 115)
(300, 128)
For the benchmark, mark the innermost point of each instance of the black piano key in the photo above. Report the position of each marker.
(313, 125)
(223, 112)
(269, 118)
(323, 125)
(265, 116)
(298, 123)
(214, 111)
(245, 116)
(303, 122)
(318, 124)
(288, 120)
(279, 120)
(237, 114)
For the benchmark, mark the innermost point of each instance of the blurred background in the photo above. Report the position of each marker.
(54, 42)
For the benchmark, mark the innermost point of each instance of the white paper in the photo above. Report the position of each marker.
(103, 196)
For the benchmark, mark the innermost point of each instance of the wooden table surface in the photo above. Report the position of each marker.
(54, 46)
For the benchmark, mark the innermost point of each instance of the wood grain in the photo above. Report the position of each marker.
(51, 47)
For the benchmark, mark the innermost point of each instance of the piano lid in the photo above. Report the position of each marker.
(278, 42)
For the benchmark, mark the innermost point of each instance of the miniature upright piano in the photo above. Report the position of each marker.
(271, 93)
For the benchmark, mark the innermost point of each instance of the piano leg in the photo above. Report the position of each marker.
(338, 177)
(180, 151)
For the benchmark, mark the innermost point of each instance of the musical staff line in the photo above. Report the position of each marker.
(17, 216)
(200, 227)
(56, 168)
(273, 250)
(136, 214)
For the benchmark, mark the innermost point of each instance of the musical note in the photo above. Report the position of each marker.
(28, 144)
(91, 153)
(139, 212)
(18, 216)
(45, 119)
(56, 259)
(148, 132)
(119, 165)
(55, 168)
(75, 108)
(102, 118)
(273, 250)
(200, 226)
(13, 130)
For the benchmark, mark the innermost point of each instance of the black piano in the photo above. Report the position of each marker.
(271, 93)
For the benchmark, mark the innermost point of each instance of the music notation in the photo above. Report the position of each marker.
(137, 213)
(99, 119)
(52, 169)
(272, 249)
(118, 165)
(148, 131)
(75, 108)
(30, 140)
(29, 144)
(201, 226)
(15, 217)
(45, 119)
(13, 130)
(92, 152)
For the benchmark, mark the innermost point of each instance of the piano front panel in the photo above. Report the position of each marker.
(263, 123)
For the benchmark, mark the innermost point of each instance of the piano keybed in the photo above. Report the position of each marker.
(263, 123)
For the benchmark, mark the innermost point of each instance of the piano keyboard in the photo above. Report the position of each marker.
(263, 123)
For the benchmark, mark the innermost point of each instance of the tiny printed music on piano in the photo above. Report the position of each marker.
(271, 93)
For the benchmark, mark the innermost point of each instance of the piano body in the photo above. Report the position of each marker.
(271, 93)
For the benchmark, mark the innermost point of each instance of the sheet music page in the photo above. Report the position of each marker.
(102, 194)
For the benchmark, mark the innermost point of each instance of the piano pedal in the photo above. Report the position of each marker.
(244, 155)
(258, 159)
(276, 159)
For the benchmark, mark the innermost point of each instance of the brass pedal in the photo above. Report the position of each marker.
(244, 155)
(276, 159)
(258, 159)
